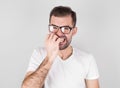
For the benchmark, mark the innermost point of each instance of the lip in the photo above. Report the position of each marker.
(63, 42)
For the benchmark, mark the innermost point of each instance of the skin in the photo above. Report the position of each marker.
(54, 46)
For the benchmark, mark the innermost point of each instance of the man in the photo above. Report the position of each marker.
(59, 65)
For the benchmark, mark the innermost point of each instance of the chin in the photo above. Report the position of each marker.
(63, 47)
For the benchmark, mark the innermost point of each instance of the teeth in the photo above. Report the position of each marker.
(63, 40)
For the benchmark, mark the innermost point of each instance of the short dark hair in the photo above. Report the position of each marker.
(61, 11)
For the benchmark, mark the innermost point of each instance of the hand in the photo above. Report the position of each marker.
(52, 45)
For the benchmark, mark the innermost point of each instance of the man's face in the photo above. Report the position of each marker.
(63, 21)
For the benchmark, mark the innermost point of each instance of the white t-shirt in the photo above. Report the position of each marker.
(70, 73)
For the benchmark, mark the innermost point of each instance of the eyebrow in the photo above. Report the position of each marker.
(61, 26)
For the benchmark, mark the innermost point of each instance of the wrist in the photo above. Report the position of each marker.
(50, 58)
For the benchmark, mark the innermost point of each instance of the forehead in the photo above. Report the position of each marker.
(61, 21)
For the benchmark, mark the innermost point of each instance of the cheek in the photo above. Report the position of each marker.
(69, 37)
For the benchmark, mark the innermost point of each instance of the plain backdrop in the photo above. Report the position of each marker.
(24, 25)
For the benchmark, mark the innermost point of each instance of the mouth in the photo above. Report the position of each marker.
(62, 41)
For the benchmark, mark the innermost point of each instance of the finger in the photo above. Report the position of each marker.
(51, 36)
(55, 37)
(59, 40)
(47, 36)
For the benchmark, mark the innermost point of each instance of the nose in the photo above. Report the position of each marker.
(59, 32)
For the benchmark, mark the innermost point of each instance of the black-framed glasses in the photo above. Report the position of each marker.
(64, 29)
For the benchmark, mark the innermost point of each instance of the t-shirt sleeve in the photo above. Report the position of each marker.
(92, 69)
(35, 60)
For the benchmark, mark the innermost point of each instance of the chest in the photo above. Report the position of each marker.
(66, 75)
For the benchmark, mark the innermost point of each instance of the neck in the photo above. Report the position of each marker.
(64, 54)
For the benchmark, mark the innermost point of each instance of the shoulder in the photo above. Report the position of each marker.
(82, 55)
(36, 58)
(40, 50)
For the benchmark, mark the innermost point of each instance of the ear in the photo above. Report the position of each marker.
(74, 31)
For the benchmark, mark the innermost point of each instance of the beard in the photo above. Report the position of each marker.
(63, 45)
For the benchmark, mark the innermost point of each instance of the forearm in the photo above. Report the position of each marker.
(92, 83)
(37, 78)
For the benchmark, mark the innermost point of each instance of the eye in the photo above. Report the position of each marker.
(55, 27)
(65, 29)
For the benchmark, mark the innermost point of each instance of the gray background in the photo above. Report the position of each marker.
(23, 27)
